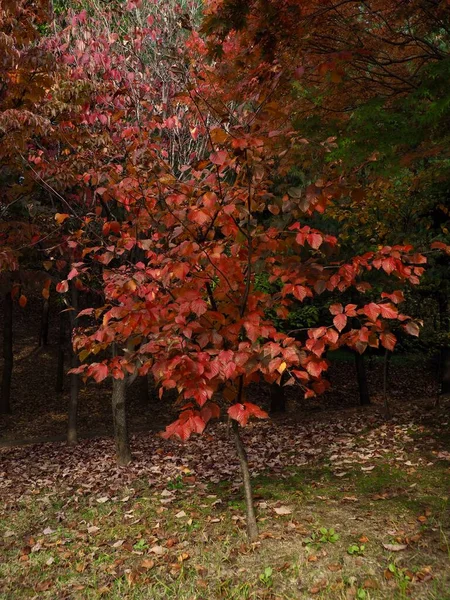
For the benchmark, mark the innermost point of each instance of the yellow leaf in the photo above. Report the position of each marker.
(282, 367)
(61, 217)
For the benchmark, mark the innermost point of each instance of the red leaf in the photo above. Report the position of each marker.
(350, 310)
(388, 265)
(255, 411)
(210, 411)
(336, 309)
(239, 414)
(300, 292)
(314, 240)
(340, 321)
(218, 158)
(23, 301)
(99, 371)
(372, 310)
(199, 307)
(242, 412)
(388, 311)
(388, 340)
(315, 368)
(396, 297)
(62, 287)
(73, 273)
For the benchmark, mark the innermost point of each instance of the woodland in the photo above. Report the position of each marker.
(224, 299)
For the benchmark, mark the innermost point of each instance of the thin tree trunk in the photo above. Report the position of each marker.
(43, 333)
(119, 392)
(252, 527)
(361, 375)
(8, 356)
(72, 436)
(387, 358)
(61, 351)
(277, 399)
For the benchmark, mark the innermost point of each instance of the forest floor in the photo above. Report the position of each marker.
(349, 506)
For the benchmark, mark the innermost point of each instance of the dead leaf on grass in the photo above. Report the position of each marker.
(93, 529)
(282, 510)
(148, 563)
(395, 547)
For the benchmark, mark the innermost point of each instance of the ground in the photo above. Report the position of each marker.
(349, 506)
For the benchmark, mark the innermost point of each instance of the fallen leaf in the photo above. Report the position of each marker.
(282, 510)
(370, 584)
(118, 543)
(148, 563)
(43, 586)
(180, 514)
(157, 550)
(182, 557)
(8, 533)
(102, 500)
(93, 529)
(395, 547)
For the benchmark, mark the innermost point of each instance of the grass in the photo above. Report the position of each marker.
(194, 546)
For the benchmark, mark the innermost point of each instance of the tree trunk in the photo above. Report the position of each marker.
(361, 375)
(277, 399)
(72, 436)
(8, 356)
(61, 351)
(123, 451)
(43, 334)
(252, 527)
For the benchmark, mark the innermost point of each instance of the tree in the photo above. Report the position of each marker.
(178, 268)
(26, 72)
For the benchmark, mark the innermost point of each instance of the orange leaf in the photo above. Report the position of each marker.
(61, 217)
